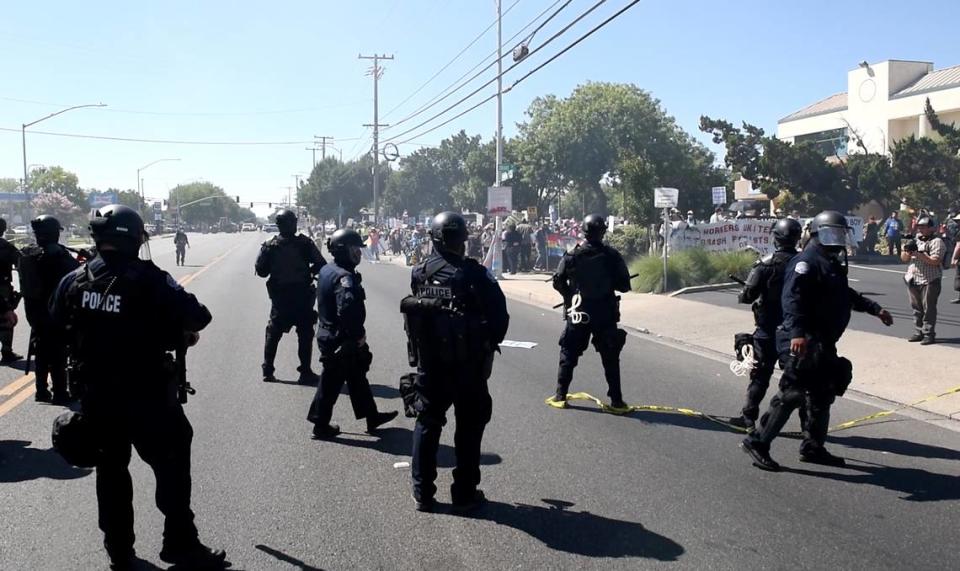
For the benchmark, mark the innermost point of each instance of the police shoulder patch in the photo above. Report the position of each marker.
(346, 282)
(802, 268)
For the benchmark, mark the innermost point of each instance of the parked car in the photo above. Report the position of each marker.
(271, 228)
(248, 227)
(21, 230)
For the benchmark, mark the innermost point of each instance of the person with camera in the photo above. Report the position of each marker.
(817, 303)
(924, 275)
(130, 398)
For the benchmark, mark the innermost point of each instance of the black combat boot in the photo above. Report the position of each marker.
(425, 505)
(325, 431)
(196, 557)
(469, 503)
(308, 378)
(7, 357)
(378, 419)
(820, 455)
(742, 422)
(760, 454)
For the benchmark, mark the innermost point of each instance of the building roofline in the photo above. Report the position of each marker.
(900, 94)
(910, 61)
(797, 115)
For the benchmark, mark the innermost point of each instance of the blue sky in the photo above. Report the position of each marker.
(288, 70)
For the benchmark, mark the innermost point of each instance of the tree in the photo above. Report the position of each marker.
(927, 172)
(334, 187)
(56, 205)
(206, 212)
(57, 179)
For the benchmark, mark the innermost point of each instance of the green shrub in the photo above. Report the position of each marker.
(630, 241)
(689, 268)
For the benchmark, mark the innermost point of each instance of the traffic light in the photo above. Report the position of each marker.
(251, 205)
(238, 199)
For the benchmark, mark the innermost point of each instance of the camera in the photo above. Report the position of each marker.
(911, 246)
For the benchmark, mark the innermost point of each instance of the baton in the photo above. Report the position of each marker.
(559, 305)
(738, 280)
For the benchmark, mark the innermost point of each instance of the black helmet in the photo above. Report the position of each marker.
(830, 227)
(119, 225)
(3, 226)
(46, 225)
(73, 439)
(287, 221)
(342, 239)
(593, 226)
(786, 232)
(448, 230)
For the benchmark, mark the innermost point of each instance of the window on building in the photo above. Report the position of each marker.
(827, 143)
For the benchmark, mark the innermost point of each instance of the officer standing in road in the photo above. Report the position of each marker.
(181, 242)
(9, 259)
(588, 278)
(42, 266)
(291, 261)
(456, 319)
(131, 393)
(763, 289)
(817, 301)
(342, 340)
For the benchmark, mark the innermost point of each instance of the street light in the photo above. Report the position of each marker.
(23, 133)
(143, 201)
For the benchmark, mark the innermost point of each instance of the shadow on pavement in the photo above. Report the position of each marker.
(948, 340)
(384, 391)
(581, 532)
(399, 442)
(897, 446)
(917, 485)
(281, 556)
(18, 463)
(665, 418)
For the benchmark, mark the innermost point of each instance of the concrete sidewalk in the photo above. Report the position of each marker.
(885, 367)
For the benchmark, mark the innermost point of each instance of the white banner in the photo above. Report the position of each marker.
(742, 234)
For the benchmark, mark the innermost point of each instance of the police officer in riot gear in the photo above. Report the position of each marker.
(341, 337)
(455, 320)
(290, 261)
(42, 265)
(817, 301)
(122, 316)
(763, 289)
(9, 259)
(588, 278)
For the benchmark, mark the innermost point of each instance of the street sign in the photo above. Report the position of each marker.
(719, 195)
(506, 167)
(499, 200)
(101, 199)
(15, 197)
(665, 197)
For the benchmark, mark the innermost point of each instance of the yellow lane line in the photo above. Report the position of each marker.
(16, 399)
(16, 385)
(190, 277)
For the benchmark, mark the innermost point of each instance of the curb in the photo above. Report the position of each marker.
(702, 288)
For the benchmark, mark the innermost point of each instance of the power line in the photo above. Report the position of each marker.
(160, 141)
(547, 21)
(457, 85)
(451, 62)
(199, 113)
(529, 73)
(494, 79)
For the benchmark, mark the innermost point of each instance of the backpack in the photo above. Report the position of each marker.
(31, 281)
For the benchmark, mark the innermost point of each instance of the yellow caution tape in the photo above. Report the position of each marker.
(718, 420)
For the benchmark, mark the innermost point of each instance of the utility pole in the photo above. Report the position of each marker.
(323, 144)
(314, 149)
(376, 72)
(498, 249)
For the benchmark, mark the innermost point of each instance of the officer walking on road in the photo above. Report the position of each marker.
(817, 301)
(42, 266)
(456, 319)
(763, 289)
(342, 340)
(588, 278)
(290, 261)
(9, 259)
(181, 242)
(131, 394)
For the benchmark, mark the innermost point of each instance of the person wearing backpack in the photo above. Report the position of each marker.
(924, 276)
(42, 266)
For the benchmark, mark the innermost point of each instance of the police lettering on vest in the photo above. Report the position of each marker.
(435, 291)
(97, 301)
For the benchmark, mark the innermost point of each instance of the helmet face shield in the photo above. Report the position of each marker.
(833, 235)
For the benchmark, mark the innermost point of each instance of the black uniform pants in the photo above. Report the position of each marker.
(466, 391)
(765, 359)
(181, 253)
(286, 312)
(608, 340)
(810, 389)
(6, 330)
(525, 261)
(162, 437)
(340, 368)
(511, 259)
(51, 360)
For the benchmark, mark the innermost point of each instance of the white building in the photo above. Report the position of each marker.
(882, 104)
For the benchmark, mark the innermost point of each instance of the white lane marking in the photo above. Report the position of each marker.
(876, 269)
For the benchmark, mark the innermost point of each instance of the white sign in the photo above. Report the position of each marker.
(499, 200)
(719, 195)
(665, 197)
(743, 234)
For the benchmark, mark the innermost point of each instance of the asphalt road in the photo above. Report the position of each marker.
(884, 284)
(569, 489)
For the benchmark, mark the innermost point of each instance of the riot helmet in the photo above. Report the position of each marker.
(287, 222)
(831, 229)
(3, 227)
(448, 231)
(786, 233)
(345, 245)
(46, 228)
(119, 226)
(594, 227)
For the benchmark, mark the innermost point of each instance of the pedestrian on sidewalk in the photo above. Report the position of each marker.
(817, 302)
(588, 278)
(763, 289)
(892, 230)
(342, 339)
(540, 239)
(924, 277)
(870, 236)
